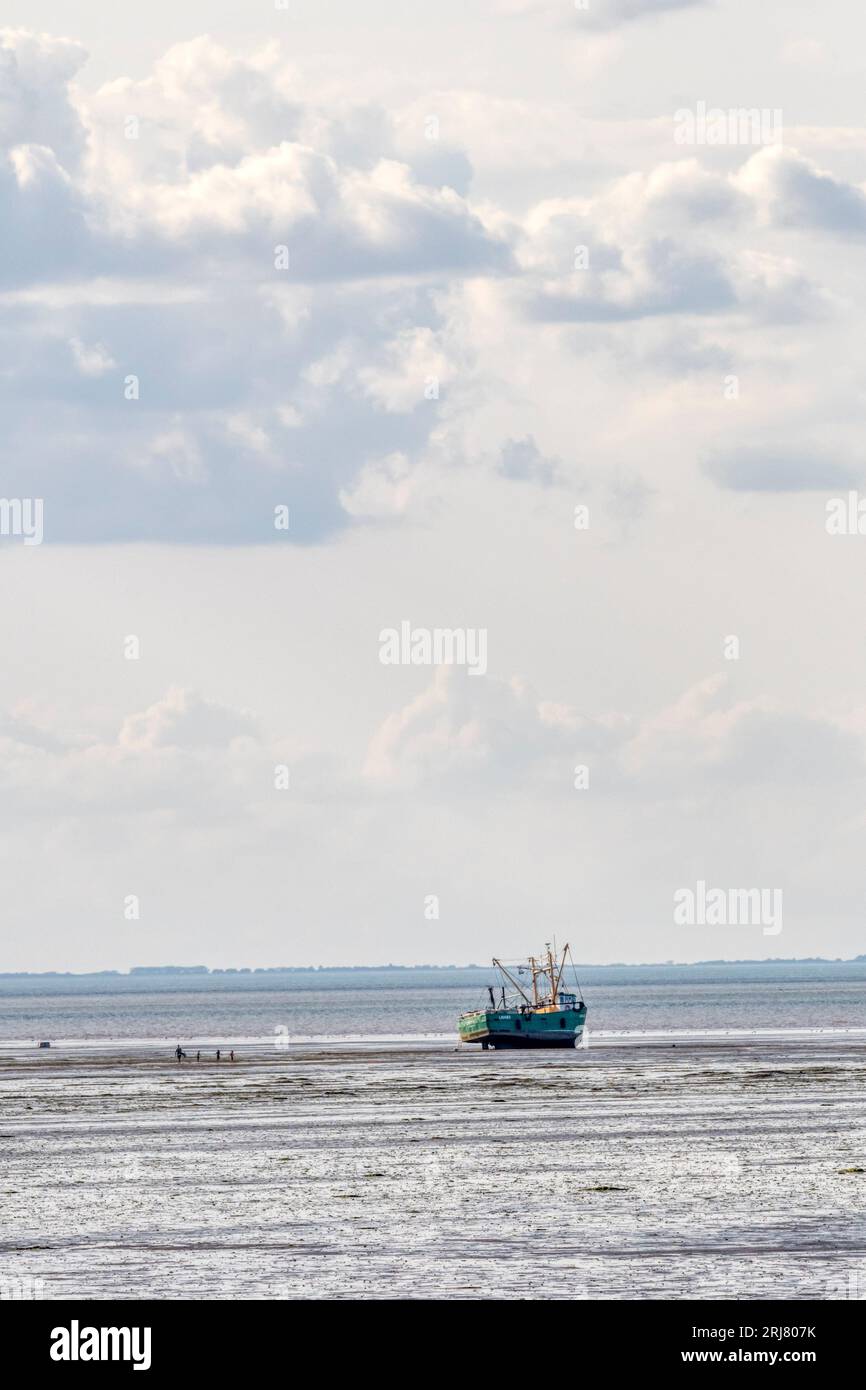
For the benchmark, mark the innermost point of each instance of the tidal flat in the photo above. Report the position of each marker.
(724, 1168)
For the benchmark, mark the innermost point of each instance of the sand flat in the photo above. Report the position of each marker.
(716, 1168)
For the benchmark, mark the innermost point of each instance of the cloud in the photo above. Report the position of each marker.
(598, 14)
(36, 106)
(476, 733)
(186, 758)
(521, 460)
(657, 277)
(707, 738)
(782, 467)
(245, 403)
(656, 244)
(471, 736)
(288, 281)
(382, 490)
(213, 161)
(182, 806)
(93, 360)
(336, 224)
(183, 719)
(415, 359)
(44, 216)
(288, 256)
(791, 191)
(227, 159)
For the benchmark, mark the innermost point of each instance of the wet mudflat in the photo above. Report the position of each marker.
(732, 1169)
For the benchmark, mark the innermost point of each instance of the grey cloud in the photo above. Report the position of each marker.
(707, 739)
(208, 450)
(794, 192)
(600, 15)
(236, 413)
(521, 460)
(46, 234)
(780, 748)
(185, 719)
(659, 277)
(794, 467)
(35, 105)
(606, 14)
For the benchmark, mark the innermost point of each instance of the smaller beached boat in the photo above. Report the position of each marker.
(534, 1007)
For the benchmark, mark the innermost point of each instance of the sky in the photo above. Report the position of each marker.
(323, 319)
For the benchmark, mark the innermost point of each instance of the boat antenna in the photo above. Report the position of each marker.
(574, 972)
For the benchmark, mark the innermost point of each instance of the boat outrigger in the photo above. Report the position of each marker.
(541, 1014)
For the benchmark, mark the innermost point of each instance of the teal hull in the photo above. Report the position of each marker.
(510, 1028)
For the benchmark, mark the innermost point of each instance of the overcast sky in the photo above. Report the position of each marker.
(431, 277)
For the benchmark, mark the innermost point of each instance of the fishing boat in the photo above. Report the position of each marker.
(533, 1009)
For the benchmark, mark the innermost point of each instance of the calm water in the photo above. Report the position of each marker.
(373, 1003)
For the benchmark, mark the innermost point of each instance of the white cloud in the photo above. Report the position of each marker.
(413, 363)
(383, 489)
(673, 241)
(93, 360)
(466, 732)
(184, 719)
(791, 191)
(485, 735)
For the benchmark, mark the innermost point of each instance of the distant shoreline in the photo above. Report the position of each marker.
(149, 971)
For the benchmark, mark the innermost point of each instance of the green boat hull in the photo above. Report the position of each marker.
(501, 1028)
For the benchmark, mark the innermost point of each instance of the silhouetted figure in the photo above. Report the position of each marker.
(232, 1055)
(178, 1052)
(198, 1056)
(218, 1054)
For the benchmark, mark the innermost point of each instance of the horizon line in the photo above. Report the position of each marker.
(418, 965)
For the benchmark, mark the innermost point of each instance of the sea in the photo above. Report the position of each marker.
(419, 1002)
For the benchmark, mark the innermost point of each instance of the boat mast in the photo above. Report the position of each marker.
(553, 969)
(561, 970)
(509, 976)
(551, 974)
